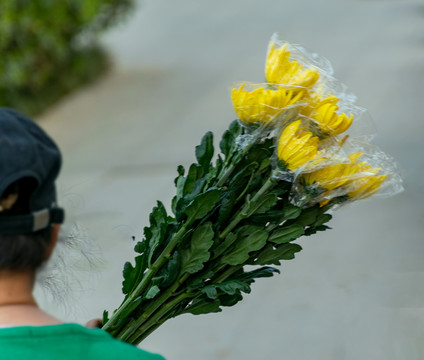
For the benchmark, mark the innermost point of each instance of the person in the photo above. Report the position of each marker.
(29, 225)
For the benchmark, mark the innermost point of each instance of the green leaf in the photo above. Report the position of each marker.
(249, 238)
(197, 254)
(230, 300)
(204, 151)
(105, 318)
(129, 277)
(177, 309)
(174, 205)
(203, 306)
(202, 204)
(140, 247)
(271, 255)
(261, 205)
(289, 250)
(261, 152)
(271, 216)
(197, 188)
(133, 274)
(131, 307)
(199, 281)
(314, 229)
(291, 212)
(265, 271)
(210, 291)
(227, 143)
(153, 291)
(172, 269)
(181, 171)
(214, 171)
(228, 241)
(156, 233)
(322, 219)
(286, 234)
(264, 164)
(241, 178)
(194, 173)
(232, 287)
(227, 206)
(257, 181)
(266, 202)
(179, 183)
(308, 216)
(169, 273)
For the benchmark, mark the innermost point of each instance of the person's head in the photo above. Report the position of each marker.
(29, 164)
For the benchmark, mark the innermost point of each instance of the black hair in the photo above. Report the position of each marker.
(25, 251)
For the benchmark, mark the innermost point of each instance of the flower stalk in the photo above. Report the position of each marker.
(165, 256)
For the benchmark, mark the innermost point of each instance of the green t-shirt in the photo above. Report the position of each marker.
(65, 342)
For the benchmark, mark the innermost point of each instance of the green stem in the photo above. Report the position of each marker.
(246, 187)
(114, 332)
(226, 274)
(232, 166)
(271, 227)
(154, 320)
(150, 309)
(242, 213)
(164, 256)
(225, 176)
(146, 333)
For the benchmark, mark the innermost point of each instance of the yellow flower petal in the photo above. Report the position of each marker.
(355, 179)
(280, 70)
(296, 147)
(263, 105)
(366, 186)
(324, 113)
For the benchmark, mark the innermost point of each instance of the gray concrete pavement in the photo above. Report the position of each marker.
(355, 292)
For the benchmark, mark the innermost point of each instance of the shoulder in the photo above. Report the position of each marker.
(109, 348)
(69, 341)
(103, 345)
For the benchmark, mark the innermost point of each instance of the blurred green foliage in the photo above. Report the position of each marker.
(49, 47)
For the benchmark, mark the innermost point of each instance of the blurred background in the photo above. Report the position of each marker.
(354, 292)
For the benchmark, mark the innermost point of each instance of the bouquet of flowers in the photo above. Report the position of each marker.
(291, 158)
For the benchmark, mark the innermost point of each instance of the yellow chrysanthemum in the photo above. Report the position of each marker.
(324, 113)
(262, 106)
(333, 176)
(355, 179)
(296, 147)
(280, 70)
(366, 186)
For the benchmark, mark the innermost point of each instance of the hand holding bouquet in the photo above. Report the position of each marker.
(289, 161)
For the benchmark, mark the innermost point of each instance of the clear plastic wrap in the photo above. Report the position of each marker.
(366, 171)
(267, 104)
(321, 135)
(376, 158)
(291, 64)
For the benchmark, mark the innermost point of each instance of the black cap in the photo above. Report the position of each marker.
(26, 151)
